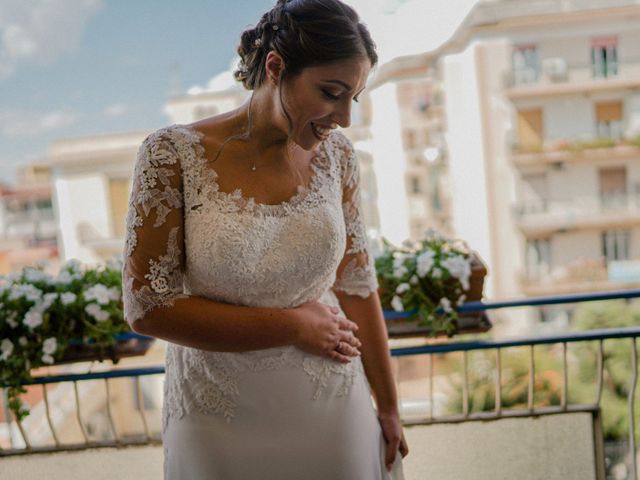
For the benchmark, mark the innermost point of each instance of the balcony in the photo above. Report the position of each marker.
(582, 275)
(472, 410)
(567, 152)
(546, 217)
(557, 77)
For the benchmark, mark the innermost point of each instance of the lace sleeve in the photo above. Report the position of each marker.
(356, 274)
(152, 271)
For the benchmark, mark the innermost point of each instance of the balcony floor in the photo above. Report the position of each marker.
(505, 448)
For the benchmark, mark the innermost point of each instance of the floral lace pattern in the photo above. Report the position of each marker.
(187, 237)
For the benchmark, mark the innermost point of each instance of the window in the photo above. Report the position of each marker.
(615, 245)
(409, 139)
(538, 257)
(604, 56)
(609, 119)
(525, 64)
(530, 132)
(613, 187)
(534, 193)
(415, 185)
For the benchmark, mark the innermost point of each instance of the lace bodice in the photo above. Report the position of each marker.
(185, 238)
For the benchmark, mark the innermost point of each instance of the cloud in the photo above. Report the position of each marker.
(39, 31)
(116, 110)
(17, 123)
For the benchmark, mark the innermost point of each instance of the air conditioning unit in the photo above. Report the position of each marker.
(556, 69)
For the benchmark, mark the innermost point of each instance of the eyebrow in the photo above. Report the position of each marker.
(345, 85)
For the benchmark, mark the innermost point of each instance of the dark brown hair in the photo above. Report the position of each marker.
(304, 33)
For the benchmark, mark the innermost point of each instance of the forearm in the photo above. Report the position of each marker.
(215, 326)
(372, 332)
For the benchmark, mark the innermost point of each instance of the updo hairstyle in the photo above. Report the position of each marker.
(304, 33)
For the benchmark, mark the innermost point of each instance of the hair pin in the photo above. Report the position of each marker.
(275, 27)
(257, 42)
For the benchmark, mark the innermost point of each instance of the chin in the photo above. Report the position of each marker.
(307, 144)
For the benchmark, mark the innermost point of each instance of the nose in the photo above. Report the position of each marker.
(342, 115)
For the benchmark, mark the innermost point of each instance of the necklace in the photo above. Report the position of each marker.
(246, 135)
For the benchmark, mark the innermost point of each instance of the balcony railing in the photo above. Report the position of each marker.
(548, 215)
(540, 383)
(558, 76)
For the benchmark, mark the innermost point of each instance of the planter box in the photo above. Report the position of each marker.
(467, 323)
(127, 345)
(472, 322)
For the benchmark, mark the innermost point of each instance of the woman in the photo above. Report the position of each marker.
(246, 251)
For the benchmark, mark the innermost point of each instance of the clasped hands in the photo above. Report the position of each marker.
(322, 332)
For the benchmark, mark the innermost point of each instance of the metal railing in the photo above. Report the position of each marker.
(498, 347)
(429, 352)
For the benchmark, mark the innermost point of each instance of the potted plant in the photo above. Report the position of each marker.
(74, 316)
(425, 281)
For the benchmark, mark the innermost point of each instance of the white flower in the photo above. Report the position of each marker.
(403, 287)
(400, 271)
(65, 278)
(33, 275)
(396, 303)
(461, 299)
(47, 301)
(96, 312)
(27, 291)
(22, 341)
(436, 273)
(50, 345)
(6, 347)
(446, 304)
(98, 292)
(114, 294)
(68, 298)
(425, 262)
(414, 280)
(12, 319)
(33, 318)
(47, 359)
(460, 268)
(72, 265)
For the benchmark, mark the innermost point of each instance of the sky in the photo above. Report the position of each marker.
(74, 68)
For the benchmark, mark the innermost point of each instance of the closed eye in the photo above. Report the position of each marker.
(336, 97)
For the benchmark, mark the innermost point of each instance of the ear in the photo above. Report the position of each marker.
(274, 66)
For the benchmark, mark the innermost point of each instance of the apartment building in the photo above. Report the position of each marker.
(550, 131)
(420, 164)
(91, 181)
(28, 228)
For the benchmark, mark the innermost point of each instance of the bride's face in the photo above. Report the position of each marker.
(320, 98)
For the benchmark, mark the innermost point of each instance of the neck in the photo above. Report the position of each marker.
(268, 127)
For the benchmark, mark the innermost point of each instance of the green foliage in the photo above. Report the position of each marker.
(428, 278)
(617, 374)
(582, 374)
(41, 314)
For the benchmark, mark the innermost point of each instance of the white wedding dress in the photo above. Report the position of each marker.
(273, 414)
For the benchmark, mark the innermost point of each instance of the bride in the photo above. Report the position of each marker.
(246, 252)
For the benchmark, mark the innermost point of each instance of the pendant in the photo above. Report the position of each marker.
(253, 167)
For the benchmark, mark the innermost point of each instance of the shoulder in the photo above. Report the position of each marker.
(167, 145)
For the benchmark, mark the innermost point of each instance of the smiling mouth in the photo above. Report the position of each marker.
(320, 131)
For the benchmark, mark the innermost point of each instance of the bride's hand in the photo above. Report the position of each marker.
(393, 436)
(322, 332)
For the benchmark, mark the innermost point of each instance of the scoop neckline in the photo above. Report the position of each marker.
(238, 197)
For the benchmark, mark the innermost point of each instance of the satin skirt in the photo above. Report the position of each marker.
(280, 432)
